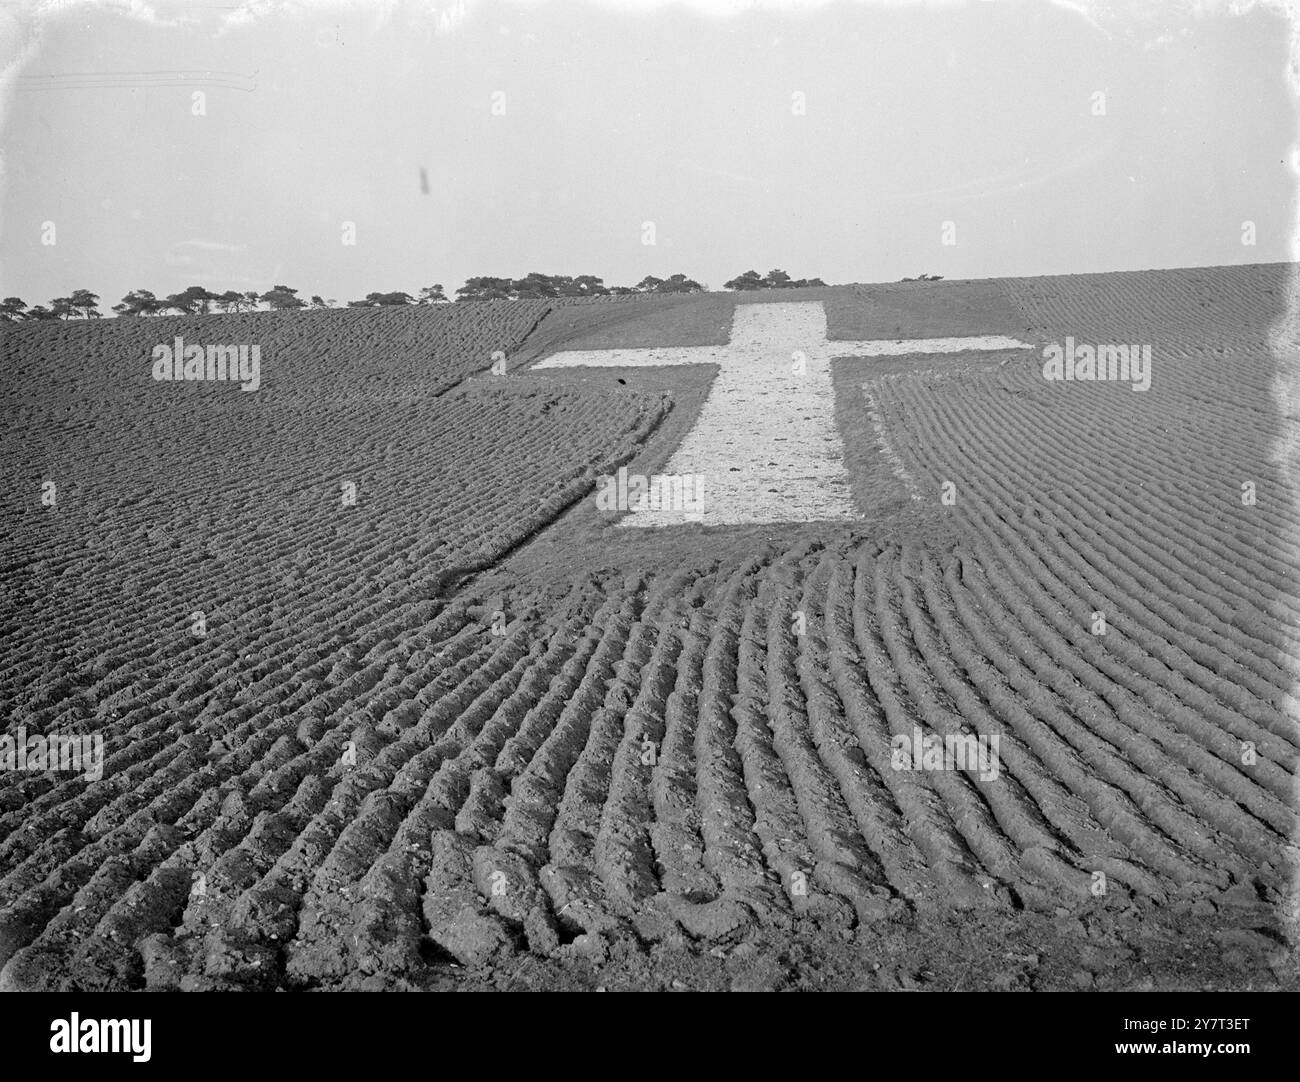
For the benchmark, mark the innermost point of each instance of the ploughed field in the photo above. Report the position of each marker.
(444, 724)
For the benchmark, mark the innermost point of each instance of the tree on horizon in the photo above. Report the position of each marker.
(379, 300)
(774, 279)
(283, 297)
(139, 302)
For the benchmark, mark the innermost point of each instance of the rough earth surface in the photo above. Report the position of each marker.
(467, 732)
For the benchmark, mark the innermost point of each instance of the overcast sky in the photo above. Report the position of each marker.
(981, 114)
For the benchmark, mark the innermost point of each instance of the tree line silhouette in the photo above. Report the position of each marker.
(197, 300)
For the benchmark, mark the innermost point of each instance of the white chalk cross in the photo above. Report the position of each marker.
(765, 441)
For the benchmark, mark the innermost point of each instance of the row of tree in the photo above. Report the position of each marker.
(773, 279)
(196, 300)
(141, 302)
(80, 303)
(544, 286)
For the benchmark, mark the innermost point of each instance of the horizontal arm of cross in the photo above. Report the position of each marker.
(898, 347)
(634, 358)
